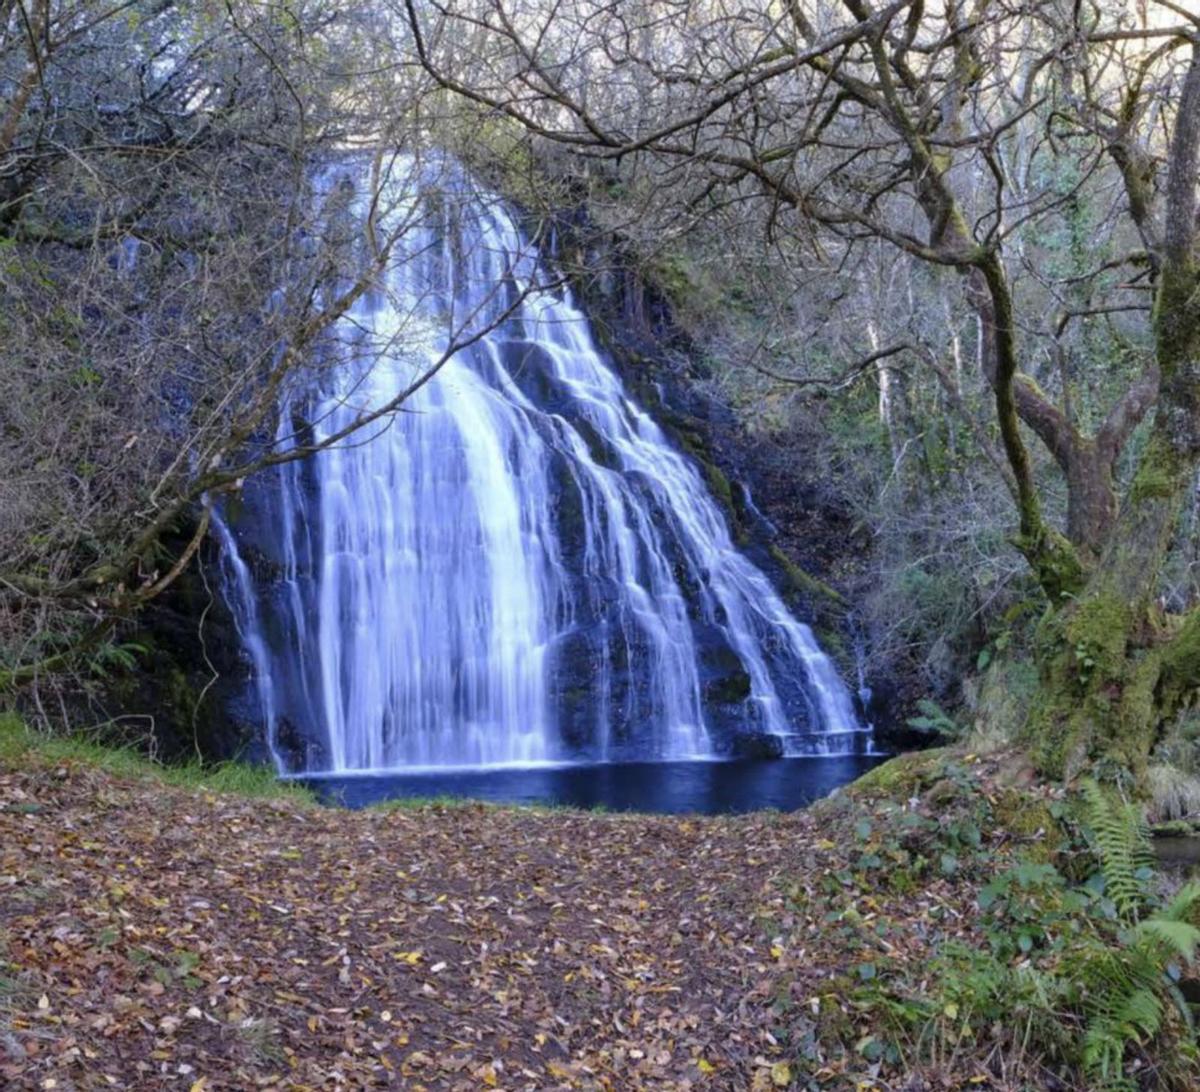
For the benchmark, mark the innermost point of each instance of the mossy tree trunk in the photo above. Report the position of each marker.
(1115, 668)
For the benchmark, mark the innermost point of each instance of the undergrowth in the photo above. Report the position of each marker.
(21, 745)
(1074, 972)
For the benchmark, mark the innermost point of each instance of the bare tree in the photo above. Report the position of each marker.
(181, 241)
(954, 136)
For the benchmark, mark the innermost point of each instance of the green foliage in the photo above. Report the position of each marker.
(115, 656)
(1079, 969)
(1127, 986)
(1121, 842)
(935, 720)
(419, 803)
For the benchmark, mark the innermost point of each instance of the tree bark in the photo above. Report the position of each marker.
(1114, 669)
(1091, 496)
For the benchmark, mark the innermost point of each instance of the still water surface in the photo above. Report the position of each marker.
(707, 788)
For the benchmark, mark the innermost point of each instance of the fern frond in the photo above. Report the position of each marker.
(1122, 843)
(1103, 1050)
(1136, 1019)
(1180, 937)
(1140, 1015)
(1185, 906)
(1105, 974)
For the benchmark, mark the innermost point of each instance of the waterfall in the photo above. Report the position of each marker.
(519, 567)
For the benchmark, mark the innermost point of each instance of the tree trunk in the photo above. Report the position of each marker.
(1091, 496)
(1114, 669)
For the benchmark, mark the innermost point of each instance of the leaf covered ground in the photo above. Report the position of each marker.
(153, 936)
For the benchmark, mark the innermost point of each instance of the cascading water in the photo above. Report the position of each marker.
(519, 567)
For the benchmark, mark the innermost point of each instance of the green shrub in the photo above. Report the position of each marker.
(935, 721)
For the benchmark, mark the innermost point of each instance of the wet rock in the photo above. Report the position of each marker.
(727, 689)
(759, 745)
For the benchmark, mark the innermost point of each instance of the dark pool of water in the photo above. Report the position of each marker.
(708, 788)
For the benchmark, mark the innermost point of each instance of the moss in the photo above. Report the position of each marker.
(1096, 701)
(688, 438)
(1030, 820)
(1175, 313)
(1157, 476)
(1174, 828)
(903, 777)
(1057, 733)
(828, 604)
(718, 484)
(1101, 622)
(1180, 664)
(805, 583)
(942, 793)
(1001, 706)
(834, 644)
(1055, 562)
(1132, 732)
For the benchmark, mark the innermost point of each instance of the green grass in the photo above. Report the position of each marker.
(23, 746)
(20, 745)
(417, 803)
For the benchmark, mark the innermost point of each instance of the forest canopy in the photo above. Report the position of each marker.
(960, 138)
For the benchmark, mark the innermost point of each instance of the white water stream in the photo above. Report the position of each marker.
(521, 567)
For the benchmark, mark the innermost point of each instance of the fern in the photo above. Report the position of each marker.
(1126, 986)
(1176, 937)
(1097, 979)
(122, 657)
(935, 720)
(1122, 844)
(1184, 906)
(1123, 1002)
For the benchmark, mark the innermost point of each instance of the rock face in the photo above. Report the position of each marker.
(791, 522)
(749, 745)
(191, 695)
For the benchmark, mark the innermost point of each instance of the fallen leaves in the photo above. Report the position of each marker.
(156, 938)
(175, 939)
